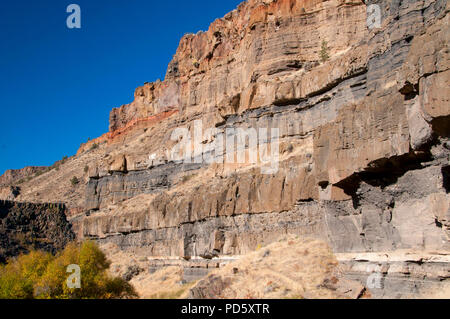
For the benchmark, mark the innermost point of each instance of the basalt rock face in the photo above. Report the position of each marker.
(121, 185)
(255, 56)
(14, 176)
(360, 134)
(9, 192)
(25, 225)
(362, 156)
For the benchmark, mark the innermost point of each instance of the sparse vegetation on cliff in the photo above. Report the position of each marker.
(187, 178)
(74, 181)
(292, 268)
(40, 275)
(324, 55)
(361, 145)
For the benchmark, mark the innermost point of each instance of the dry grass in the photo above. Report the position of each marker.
(293, 268)
(163, 284)
(443, 293)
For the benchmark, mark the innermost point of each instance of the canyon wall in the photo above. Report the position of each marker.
(363, 135)
(39, 226)
(363, 122)
(15, 176)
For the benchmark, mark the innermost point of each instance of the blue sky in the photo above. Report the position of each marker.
(58, 85)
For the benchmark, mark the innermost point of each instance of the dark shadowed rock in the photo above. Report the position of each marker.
(38, 226)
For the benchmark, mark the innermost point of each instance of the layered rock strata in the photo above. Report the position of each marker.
(363, 147)
(356, 131)
(26, 225)
(14, 176)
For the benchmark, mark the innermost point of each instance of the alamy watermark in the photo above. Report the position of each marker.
(373, 16)
(228, 146)
(74, 280)
(74, 19)
(375, 279)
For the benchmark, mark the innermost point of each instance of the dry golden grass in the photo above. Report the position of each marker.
(163, 284)
(292, 268)
(443, 293)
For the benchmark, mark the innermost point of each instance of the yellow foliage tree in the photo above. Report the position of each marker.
(41, 275)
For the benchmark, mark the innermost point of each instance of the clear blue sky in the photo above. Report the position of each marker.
(58, 85)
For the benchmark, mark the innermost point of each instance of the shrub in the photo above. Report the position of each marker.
(18, 277)
(43, 276)
(187, 178)
(86, 169)
(74, 181)
(195, 63)
(324, 51)
(94, 146)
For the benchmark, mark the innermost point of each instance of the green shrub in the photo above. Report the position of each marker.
(74, 181)
(40, 275)
(187, 178)
(195, 63)
(86, 169)
(324, 51)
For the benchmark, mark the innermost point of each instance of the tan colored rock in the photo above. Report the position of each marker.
(351, 144)
(16, 176)
(118, 164)
(363, 136)
(407, 216)
(9, 192)
(230, 59)
(435, 92)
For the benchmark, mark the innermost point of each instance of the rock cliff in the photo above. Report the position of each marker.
(38, 226)
(363, 124)
(15, 176)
